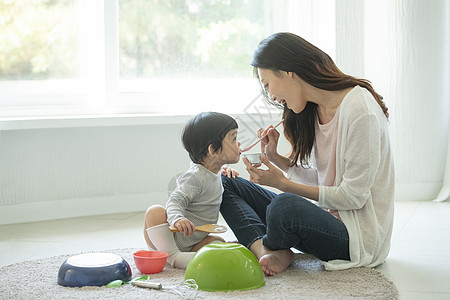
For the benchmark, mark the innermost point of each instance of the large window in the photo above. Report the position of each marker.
(133, 56)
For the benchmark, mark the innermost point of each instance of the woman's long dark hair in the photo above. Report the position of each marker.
(288, 52)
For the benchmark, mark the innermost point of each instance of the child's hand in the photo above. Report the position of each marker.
(229, 172)
(185, 226)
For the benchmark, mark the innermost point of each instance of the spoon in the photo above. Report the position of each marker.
(211, 228)
(254, 144)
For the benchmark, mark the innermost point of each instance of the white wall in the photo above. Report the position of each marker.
(52, 173)
(47, 173)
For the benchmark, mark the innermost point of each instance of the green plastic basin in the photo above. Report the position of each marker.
(225, 267)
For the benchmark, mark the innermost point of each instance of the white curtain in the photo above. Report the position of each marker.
(402, 46)
(444, 194)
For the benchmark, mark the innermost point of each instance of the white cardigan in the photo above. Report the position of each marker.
(365, 180)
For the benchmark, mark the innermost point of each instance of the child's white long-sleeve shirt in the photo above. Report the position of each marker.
(197, 197)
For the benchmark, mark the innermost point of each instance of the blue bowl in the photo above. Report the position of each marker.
(93, 269)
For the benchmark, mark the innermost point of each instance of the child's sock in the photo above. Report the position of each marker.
(163, 239)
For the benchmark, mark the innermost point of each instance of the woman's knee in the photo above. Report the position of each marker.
(225, 181)
(234, 184)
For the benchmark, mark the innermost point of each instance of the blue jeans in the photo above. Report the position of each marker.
(283, 221)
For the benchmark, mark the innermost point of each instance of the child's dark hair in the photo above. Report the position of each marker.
(206, 128)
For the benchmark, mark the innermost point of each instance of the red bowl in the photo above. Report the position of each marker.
(150, 262)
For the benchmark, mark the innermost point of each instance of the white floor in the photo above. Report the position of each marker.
(418, 264)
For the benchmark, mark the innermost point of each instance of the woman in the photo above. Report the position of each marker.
(338, 180)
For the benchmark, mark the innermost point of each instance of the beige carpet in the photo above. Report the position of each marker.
(304, 279)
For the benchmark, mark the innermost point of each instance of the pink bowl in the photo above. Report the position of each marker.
(150, 262)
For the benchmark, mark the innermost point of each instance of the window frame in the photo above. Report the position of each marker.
(98, 92)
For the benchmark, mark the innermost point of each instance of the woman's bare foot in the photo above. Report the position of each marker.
(276, 261)
(272, 262)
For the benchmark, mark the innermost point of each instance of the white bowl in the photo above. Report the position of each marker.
(254, 158)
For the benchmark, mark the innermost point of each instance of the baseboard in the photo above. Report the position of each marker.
(70, 208)
(426, 191)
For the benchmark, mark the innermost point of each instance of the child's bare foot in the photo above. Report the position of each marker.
(276, 261)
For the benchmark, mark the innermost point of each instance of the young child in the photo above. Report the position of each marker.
(210, 138)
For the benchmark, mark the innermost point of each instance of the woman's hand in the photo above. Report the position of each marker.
(229, 172)
(270, 142)
(273, 176)
(185, 226)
